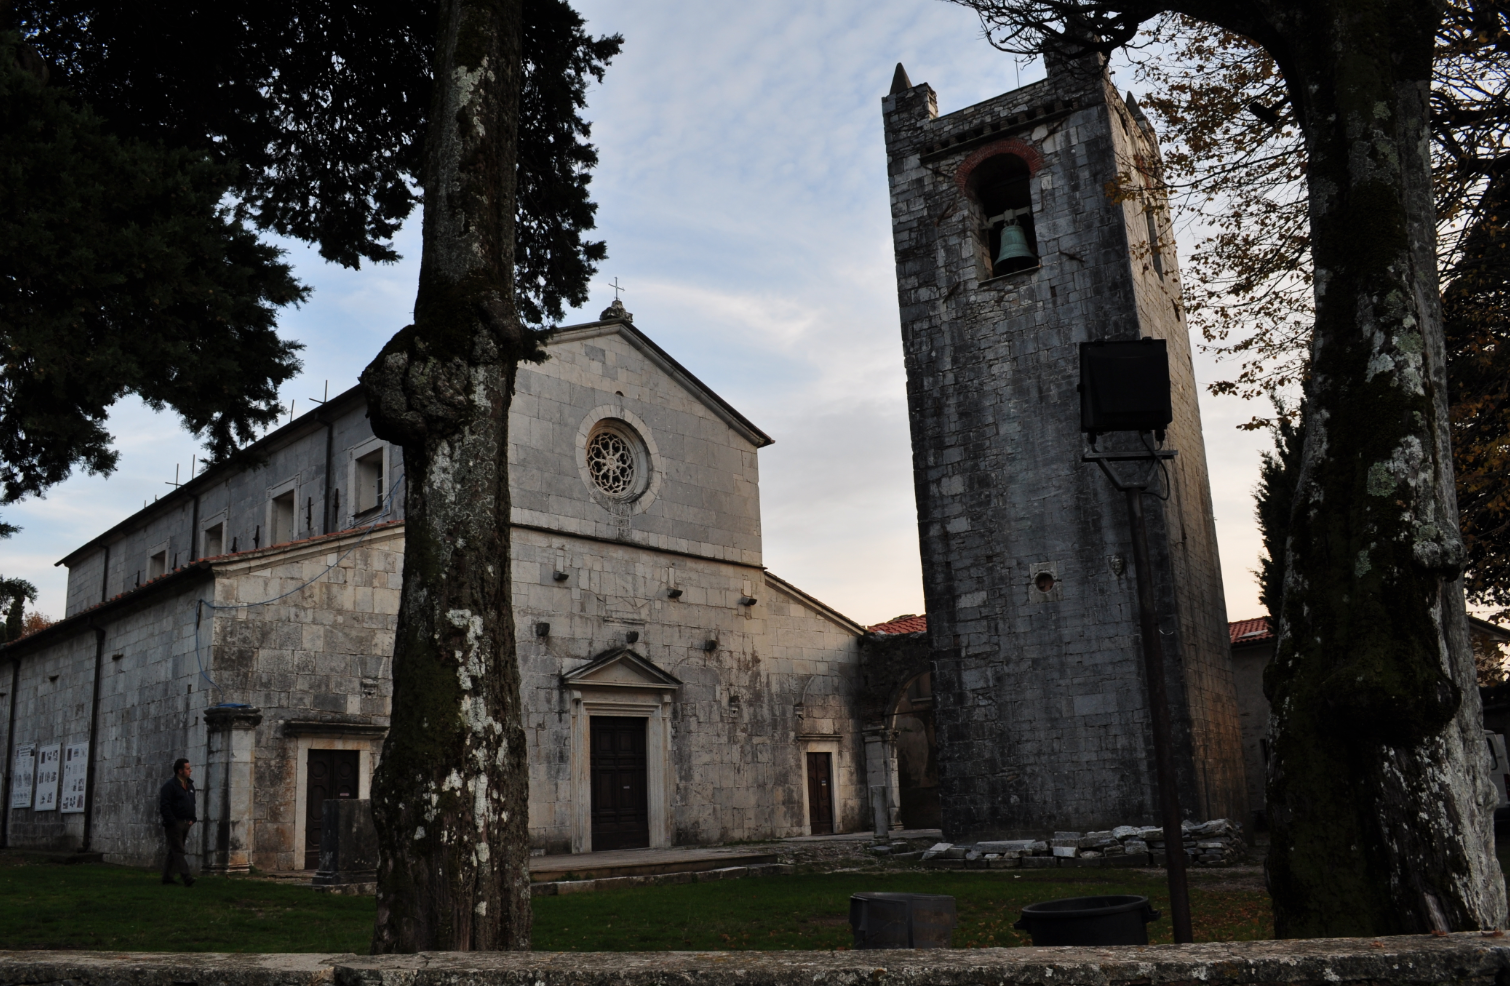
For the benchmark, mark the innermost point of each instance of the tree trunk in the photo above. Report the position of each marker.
(1379, 798)
(450, 797)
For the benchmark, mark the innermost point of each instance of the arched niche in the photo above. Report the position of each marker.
(916, 752)
(1000, 187)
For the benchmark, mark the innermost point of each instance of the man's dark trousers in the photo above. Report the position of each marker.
(176, 860)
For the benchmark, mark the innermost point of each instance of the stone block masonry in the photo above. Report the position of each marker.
(1407, 961)
(1040, 701)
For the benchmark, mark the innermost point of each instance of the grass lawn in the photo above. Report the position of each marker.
(45, 905)
(113, 907)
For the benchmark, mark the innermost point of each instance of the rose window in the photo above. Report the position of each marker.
(611, 461)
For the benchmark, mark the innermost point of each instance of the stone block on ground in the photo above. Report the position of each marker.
(348, 844)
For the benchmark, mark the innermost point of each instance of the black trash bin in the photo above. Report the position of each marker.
(881, 920)
(1113, 920)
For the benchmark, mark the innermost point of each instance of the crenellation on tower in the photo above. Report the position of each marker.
(1040, 701)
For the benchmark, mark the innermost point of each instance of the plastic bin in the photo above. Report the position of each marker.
(1113, 920)
(881, 920)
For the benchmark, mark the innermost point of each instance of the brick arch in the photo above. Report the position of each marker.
(1030, 155)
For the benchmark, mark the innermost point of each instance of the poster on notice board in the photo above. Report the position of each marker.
(47, 777)
(75, 778)
(23, 773)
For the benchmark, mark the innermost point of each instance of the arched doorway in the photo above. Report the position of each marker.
(916, 755)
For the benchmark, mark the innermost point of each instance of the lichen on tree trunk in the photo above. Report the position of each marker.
(450, 796)
(1379, 800)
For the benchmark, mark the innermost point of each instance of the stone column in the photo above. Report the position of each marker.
(228, 787)
(880, 780)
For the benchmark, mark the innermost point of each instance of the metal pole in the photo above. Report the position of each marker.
(1158, 712)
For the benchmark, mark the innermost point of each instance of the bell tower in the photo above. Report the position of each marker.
(1012, 247)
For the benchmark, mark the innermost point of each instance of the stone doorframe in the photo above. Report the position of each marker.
(622, 683)
(366, 739)
(819, 743)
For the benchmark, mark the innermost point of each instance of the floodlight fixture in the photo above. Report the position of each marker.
(1124, 386)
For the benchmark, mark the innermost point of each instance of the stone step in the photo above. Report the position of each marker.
(640, 862)
(558, 887)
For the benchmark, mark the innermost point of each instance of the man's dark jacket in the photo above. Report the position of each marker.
(176, 803)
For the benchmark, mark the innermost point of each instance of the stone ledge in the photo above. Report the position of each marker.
(1421, 960)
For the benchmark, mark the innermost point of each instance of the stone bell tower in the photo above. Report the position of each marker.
(1040, 704)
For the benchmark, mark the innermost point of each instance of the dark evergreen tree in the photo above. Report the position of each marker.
(1272, 498)
(14, 595)
(1476, 310)
(121, 272)
(134, 124)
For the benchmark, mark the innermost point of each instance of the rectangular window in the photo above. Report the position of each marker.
(369, 479)
(157, 564)
(214, 541)
(283, 518)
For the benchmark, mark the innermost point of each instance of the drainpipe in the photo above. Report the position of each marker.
(90, 752)
(194, 531)
(10, 752)
(330, 438)
(105, 575)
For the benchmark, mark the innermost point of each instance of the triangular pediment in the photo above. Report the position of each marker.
(620, 668)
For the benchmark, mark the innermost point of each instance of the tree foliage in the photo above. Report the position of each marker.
(122, 273)
(14, 595)
(1236, 166)
(1476, 310)
(1273, 498)
(320, 107)
(148, 143)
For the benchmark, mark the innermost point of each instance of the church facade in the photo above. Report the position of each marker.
(675, 692)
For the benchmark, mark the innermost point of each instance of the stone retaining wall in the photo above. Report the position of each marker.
(1460, 958)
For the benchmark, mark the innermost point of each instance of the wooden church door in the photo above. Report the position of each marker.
(820, 794)
(330, 774)
(620, 794)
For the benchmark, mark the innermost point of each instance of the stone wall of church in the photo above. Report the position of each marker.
(672, 568)
(151, 701)
(703, 494)
(317, 664)
(1041, 710)
(293, 459)
(777, 682)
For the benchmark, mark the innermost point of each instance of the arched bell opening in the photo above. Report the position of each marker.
(1001, 189)
(916, 752)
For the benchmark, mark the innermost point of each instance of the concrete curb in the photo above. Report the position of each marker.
(1421, 960)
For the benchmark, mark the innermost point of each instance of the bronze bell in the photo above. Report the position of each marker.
(1014, 244)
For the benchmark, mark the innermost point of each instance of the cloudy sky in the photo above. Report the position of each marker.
(742, 193)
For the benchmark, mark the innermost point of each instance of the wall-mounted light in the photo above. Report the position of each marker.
(560, 576)
(673, 593)
(542, 629)
(632, 636)
(710, 645)
(748, 600)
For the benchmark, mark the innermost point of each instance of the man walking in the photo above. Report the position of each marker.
(176, 803)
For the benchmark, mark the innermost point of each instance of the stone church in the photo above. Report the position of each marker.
(1010, 253)
(675, 691)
